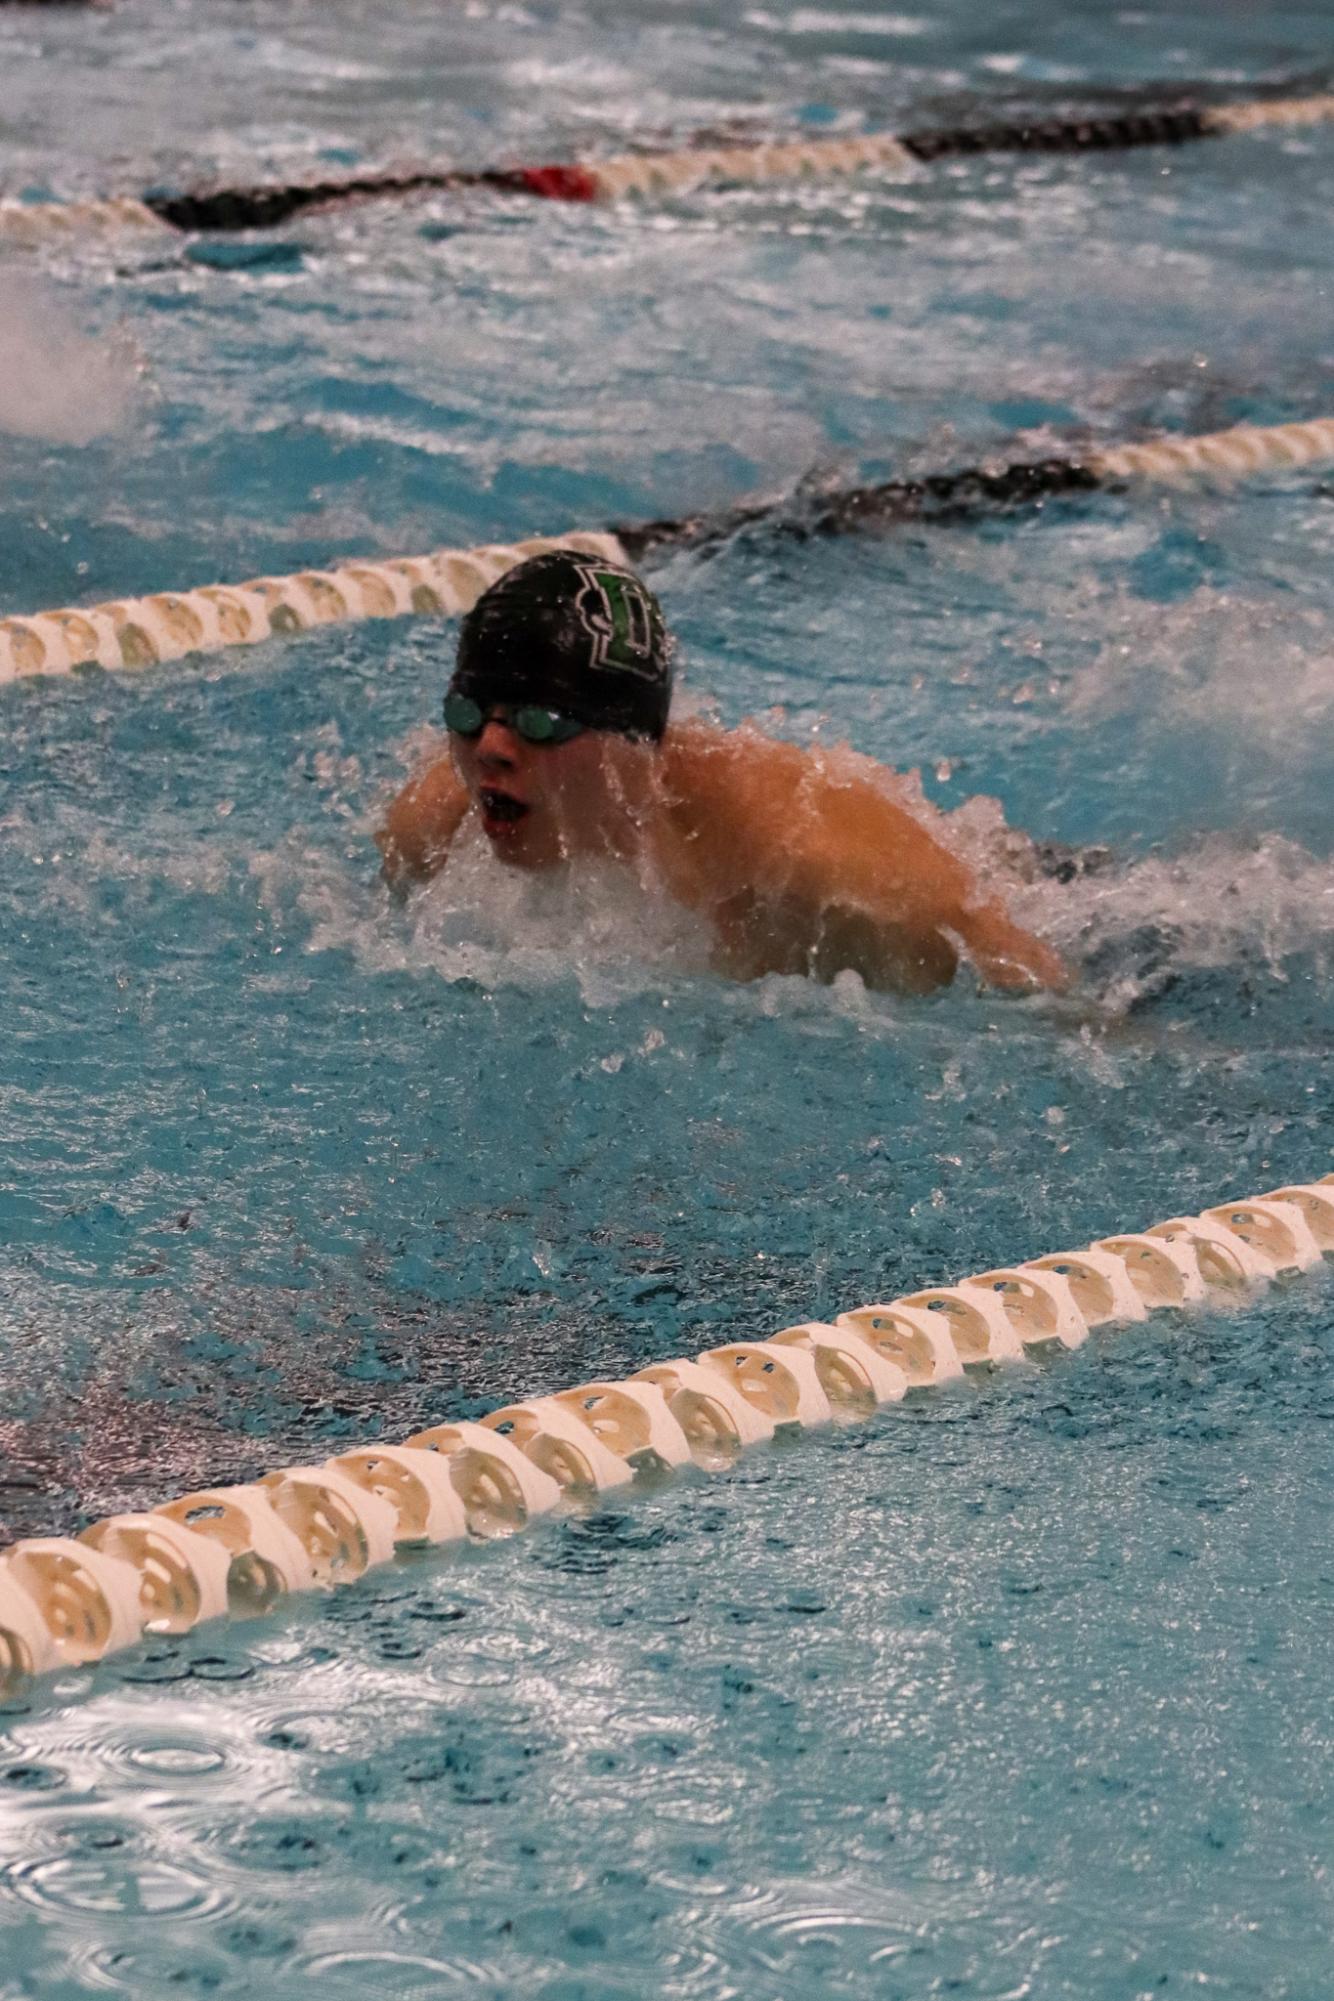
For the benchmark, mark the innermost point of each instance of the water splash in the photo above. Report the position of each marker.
(1196, 664)
(611, 929)
(56, 381)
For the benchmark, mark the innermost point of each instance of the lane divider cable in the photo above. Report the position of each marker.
(66, 1601)
(136, 632)
(671, 171)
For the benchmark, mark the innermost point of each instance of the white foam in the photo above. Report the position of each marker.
(1219, 903)
(1258, 670)
(611, 930)
(57, 382)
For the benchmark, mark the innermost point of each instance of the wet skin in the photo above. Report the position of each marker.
(542, 804)
(800, 861)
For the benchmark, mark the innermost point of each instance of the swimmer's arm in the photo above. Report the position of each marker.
(1006, 954)
(421, 823)
(861, 849)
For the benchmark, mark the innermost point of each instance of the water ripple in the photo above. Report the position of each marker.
(407, 1976)
(115, 1884)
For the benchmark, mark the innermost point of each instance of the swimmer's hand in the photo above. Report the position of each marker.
(421, 823)
(1008, 956)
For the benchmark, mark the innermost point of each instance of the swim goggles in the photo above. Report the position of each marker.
(534, 724)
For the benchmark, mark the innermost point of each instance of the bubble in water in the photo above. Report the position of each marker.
(176, 1758)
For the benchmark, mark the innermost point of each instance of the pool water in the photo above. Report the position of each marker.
(1021, 1692)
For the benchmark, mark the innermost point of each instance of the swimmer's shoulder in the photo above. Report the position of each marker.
(727, 796)
(731, 774)
(422, 821)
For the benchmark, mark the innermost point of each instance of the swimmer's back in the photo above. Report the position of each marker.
(746, 807)
(805, 862)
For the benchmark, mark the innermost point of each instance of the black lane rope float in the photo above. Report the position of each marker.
(945, 496)
(169, 625)
(674, 171)
(230, 209)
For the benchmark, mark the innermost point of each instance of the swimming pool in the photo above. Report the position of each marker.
(1017, 1693)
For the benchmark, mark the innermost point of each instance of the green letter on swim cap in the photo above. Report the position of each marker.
(620, 616)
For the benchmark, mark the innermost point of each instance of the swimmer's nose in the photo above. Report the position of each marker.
(496, 746)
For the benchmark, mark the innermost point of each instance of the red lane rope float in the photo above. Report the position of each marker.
(67, 1601)
(170, 625)
(672, 171)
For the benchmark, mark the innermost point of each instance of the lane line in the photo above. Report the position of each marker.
(124, 634)
(676, 170)
(67, 1601)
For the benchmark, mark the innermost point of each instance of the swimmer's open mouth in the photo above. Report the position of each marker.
(499, 807)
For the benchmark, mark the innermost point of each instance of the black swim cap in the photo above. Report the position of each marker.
(571, 633)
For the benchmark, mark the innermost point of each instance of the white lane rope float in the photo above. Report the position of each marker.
(66, 1601)
(128, 633)
(674, 171)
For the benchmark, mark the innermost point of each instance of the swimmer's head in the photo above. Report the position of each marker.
(557, 704)
(568, 633)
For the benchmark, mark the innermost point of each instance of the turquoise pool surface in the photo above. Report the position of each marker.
(1018, 1693)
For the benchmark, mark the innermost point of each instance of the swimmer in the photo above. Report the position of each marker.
(560, 747)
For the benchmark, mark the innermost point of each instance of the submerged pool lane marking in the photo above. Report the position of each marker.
(676, 171)
(66, 1601)
(127, 633)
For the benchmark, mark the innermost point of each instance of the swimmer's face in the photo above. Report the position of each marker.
(540, 804)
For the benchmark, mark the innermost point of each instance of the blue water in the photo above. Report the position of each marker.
(1021, 1693)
